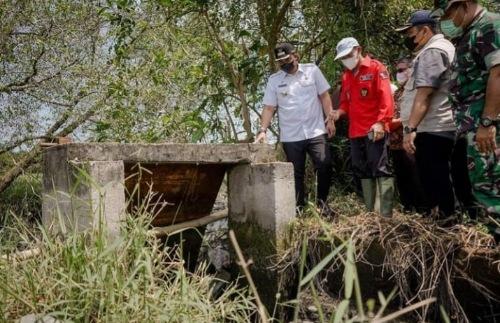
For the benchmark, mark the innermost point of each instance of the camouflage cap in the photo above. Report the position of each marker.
(440, 6)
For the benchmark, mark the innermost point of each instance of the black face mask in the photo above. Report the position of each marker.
(410, 43)
(287, 67)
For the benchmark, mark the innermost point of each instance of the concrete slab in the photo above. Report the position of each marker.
(166, 153)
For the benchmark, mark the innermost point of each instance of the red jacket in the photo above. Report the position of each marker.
(366, 97)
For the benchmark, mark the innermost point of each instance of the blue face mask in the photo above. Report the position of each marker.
(449, 29)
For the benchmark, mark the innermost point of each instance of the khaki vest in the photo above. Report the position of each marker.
(439, 117)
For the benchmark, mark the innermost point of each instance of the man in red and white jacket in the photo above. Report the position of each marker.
(366, 99)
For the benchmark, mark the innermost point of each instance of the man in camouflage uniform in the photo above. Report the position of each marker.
(475, 92)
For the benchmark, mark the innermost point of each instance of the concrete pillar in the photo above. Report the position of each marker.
(83, 195)
(261, 204)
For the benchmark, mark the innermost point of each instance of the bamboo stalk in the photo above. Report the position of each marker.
(405, 310)
(164, 231)
(245, 265)
(22, 255)
(48, 144)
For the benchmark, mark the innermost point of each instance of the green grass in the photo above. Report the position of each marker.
(89, 278)
(22, 198)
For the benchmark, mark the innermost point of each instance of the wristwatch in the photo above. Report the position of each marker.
(487, 122)
(407, 130)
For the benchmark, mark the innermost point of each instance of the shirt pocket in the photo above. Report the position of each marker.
(307, 86)
(366, 90)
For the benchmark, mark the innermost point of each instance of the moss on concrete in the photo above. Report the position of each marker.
(264, 247)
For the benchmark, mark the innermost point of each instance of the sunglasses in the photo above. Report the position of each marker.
(285, 61)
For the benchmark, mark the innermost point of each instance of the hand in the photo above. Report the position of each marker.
(261, 138)
(409, 142)
(330, 128)
(378, 131)
(334, 115)
(486, 139)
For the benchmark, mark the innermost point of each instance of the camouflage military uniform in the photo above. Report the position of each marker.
(478, 50)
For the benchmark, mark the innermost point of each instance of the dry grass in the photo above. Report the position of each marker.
(421, 258)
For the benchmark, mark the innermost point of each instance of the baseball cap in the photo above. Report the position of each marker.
(345, 46)
(440, 6)
(418, 18)
(283, 51)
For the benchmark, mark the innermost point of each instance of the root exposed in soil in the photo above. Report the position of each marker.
(420, 258)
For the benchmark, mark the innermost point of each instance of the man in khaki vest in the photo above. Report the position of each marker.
(426, 114)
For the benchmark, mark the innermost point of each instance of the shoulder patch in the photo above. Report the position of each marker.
(384, 75)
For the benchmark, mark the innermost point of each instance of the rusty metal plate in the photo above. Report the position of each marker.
(188, 191)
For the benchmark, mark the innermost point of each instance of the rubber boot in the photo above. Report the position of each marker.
(369, 187)
(386, 189)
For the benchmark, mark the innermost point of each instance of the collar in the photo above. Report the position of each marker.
(474, 22)
(300, 69)
(366, 61)
(431, 40)
(476, 19)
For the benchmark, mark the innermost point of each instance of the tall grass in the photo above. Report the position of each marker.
(23, 198)
(86, 277)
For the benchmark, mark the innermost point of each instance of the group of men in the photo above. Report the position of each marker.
(447, 112)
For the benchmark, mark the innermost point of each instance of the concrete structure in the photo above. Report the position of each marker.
(261, 204)
(88, 185)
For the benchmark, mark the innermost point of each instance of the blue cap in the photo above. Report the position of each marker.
(421, 17)
(345, 46)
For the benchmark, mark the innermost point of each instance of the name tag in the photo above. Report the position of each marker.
(282, 85)
(366, 77)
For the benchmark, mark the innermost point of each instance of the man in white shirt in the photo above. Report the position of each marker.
(299, 93)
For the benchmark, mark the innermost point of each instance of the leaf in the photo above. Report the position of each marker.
(444, 315)
(244, 33)
(349, 272)
(322, 264)
(341, 311)
(370, 304)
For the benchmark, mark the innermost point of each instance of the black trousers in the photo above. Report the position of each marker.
(370, 159)
(460, 178)
(318, 150)
(433, 156)
(411, 193)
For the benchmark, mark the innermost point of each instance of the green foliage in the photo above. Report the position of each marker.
(22, 198)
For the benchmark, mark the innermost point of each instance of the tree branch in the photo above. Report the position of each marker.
(274, 32)
(19, 142)
(29, 83)
(236, 78)
(28, 78)
(32, 156)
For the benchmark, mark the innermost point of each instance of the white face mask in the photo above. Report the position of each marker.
(402, 78)
(351, 62)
